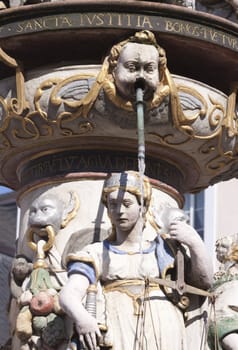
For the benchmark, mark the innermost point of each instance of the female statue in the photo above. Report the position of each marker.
(137, 313)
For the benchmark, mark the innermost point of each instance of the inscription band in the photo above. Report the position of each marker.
(97, 161)
(121, 20)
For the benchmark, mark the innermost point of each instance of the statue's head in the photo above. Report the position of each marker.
(128, 181)
(50, 209)
(139, 58)
(123, 194)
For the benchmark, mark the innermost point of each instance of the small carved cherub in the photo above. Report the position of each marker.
(234, 4)
(224, 326)
(21, 269)
(223, 8)
(227, 253)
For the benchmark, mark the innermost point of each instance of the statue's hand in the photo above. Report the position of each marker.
(70, 300)
(184, 233)
(200, 273)
(87, 328)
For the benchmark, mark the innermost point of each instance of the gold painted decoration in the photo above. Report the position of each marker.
(64, 99)
(202, 115)
(182, 115)
(47, 231)
(231, 120)
(73, 207)
(60, 106)
(17, 105)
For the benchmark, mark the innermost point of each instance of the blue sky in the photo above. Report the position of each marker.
(4, 189)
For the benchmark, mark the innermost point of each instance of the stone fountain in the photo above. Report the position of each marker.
(65, 122)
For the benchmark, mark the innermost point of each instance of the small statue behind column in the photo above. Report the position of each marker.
(223, 330)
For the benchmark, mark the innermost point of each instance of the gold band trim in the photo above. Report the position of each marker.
(135, 289)
(41, 232)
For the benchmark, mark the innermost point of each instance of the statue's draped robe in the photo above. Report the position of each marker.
(132, 324)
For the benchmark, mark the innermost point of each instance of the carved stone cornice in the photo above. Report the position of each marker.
(190, 126)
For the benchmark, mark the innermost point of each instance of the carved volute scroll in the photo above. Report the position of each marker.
(16, 105)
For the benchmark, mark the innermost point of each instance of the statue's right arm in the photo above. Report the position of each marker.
(70, 298)
(72, 293)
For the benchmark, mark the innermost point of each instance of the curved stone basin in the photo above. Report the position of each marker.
(54, 128)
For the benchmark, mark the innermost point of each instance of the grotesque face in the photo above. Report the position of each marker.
(46, 210)
(137, 61)
(123, 209)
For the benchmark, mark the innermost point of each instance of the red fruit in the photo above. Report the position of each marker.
(42, 304)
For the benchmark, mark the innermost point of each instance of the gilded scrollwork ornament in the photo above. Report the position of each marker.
(69, 106)
(181, 106)
(231, 120)
(228, 138)
(96, 101)
(16, 105)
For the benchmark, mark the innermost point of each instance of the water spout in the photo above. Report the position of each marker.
(140, 87)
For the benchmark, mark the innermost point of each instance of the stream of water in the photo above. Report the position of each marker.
(141, 153)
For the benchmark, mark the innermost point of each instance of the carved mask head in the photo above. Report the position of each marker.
(49, 209)
(46, 210)
(137, 61)
(139, 57)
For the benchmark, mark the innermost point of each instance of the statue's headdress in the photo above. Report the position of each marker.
(129, 181)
